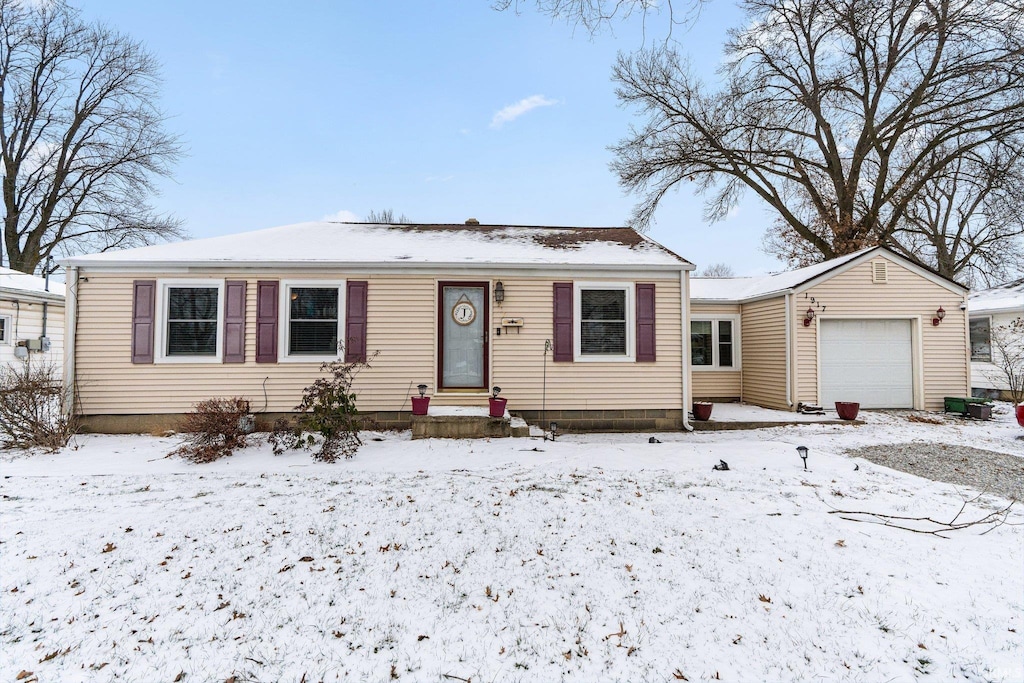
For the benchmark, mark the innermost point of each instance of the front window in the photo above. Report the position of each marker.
(981, 340)
(603, 322)
(713, 344)
(192, 321)
(313, 321)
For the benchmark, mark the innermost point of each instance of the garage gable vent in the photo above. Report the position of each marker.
(879, 272)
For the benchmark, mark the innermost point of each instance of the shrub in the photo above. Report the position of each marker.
(214, 430)
(30, 408)
(328, 408)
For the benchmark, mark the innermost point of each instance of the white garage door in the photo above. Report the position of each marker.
(867, 361)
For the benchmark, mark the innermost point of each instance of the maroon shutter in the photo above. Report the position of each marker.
(645, 351)
(266, 321)
(355, 322)
(234, 321)
(143, 320)
(563, 351)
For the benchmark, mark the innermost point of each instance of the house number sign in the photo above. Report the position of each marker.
(463, 312)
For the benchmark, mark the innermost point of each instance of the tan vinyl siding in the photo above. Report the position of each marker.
(942, 350)
(26, 322)
(402, 321)
(763, 332)
(716, 383)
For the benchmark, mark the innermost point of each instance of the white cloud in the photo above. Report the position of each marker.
(343, 216)
(514, 111)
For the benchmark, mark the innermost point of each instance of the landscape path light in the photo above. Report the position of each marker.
(802, 450)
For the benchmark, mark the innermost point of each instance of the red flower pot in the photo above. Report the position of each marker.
(847, 409)
(497, 406)
(702, 411)
(420, 404)
(1020, 414)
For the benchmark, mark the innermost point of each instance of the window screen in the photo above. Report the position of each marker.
(313, 321)
(603, 322)
(725, 343)
(192, 321)
(981, 340)
(700, 342)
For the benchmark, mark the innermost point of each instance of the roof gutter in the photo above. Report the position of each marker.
(351, 265)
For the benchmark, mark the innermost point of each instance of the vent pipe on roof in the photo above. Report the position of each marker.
(472, 221)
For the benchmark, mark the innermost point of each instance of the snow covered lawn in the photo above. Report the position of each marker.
(592, 558)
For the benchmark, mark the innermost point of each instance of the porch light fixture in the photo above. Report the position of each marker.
(499, 292)
(423, 389)
(808, 317)
(939, 315)
(802, 450)
(495, 391)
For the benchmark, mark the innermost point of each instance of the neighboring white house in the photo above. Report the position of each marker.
(31, 319)
(991, 309)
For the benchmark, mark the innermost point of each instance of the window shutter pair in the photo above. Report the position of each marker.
(267, 316)
(564, 323)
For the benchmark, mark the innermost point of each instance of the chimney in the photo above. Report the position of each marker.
(472, 221)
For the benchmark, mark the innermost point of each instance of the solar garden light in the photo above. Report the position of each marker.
(495, 391)
(423, 389)
(554, 429)
(802, 450)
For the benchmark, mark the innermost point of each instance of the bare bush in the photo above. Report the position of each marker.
(30, 408)
(214, 430)
(328, 408)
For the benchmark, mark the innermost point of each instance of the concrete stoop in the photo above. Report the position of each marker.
(467, 426)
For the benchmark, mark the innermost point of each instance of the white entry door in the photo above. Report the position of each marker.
(870, 362)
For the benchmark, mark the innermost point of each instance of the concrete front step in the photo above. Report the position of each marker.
(461, 422)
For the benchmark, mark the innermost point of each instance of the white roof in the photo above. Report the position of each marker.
(740, 288)
(365, 243)
(16, 281)
(1007, 297)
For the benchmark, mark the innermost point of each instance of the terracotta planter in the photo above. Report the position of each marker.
(702, 411)
(497, 406)
(847, 409)
(1020, 414)
(420, 404)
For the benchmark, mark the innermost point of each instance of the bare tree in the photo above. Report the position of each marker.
(837, 113)
(1007, 350)
(596, 15)
(81, 138)
(386, 216)
(716, 270)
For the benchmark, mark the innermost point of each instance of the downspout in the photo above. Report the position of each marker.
(684, 312)
(789, 350)
(46, 287)
(70, 324)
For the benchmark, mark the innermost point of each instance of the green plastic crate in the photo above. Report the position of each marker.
(956, 404)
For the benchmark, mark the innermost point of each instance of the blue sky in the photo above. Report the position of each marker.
(313, 109)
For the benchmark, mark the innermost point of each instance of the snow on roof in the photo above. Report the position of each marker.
(15, 280)
(1005, 297)
(367, 243)
(740, 288)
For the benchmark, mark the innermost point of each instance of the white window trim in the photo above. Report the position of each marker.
(577, 322)
(737, 361)
(284, 311)
(160, 333)
(970, 350)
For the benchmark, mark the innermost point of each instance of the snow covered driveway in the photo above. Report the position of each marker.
(595, 558)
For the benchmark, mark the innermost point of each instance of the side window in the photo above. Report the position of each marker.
(312, 320)
(5, 329)
(981, 340)
(713, 343)
(191, 321)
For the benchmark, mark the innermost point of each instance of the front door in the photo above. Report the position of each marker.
(462, 331)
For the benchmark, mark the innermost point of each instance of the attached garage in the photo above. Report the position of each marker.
(870, 327)
(870, 362)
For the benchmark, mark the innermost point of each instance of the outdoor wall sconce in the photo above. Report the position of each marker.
(499, 291)
(423, 389)
(808, 317)
(802, 451)
(939, 315)
(495, 391)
